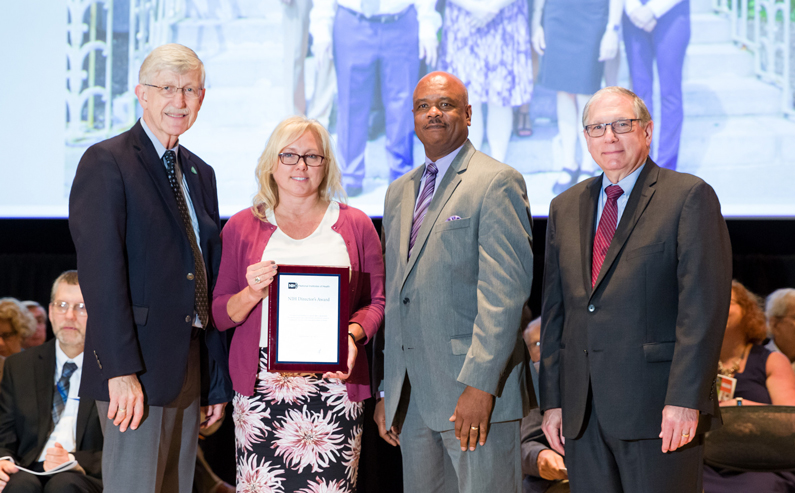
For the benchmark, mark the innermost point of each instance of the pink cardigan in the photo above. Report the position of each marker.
(244, 238)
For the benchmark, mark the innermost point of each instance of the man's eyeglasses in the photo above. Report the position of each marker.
(622, 126)
(62, 307)
(189, 92)
(291, 159)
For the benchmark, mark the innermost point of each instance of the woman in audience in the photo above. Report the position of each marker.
(763, 378)
(297, 432)
(16, 324)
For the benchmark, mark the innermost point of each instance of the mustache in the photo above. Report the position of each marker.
(177, 111)
(435, 121)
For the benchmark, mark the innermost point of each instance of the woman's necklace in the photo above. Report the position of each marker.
(735, 367)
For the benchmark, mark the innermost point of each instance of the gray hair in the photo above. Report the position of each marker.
(32, 304)
(641, 112)
(171, 57)
(778, 302)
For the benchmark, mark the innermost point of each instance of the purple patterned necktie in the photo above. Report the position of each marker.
(423, 203)
(605, 231)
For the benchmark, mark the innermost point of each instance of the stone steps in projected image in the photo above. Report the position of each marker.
(735, 142)
(729, 95)
(709, 27)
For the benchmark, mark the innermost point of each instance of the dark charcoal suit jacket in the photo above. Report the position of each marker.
(137, 271)
(26, 411)
(649, 333)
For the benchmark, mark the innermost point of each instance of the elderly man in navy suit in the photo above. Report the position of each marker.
(144, 219)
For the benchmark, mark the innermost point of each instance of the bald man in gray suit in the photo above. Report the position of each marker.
(459, 267)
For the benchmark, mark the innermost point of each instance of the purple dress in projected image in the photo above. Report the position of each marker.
(494, 60)
(750, 385)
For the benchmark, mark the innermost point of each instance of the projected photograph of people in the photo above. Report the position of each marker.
(717, 76)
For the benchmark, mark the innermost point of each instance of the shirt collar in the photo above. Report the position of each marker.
(444, 162)
(626, 184)
(159, 147)
(61, 358)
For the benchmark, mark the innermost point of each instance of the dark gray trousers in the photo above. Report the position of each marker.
(160, 456)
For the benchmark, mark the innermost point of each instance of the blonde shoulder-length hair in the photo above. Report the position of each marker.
(287, 132)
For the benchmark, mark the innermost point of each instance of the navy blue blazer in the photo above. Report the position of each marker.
(136, 269)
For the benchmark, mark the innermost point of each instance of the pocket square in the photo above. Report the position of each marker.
(452, 218)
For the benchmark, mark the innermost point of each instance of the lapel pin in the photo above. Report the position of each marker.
(193, 170)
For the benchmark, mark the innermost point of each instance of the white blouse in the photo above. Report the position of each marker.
(323, 247)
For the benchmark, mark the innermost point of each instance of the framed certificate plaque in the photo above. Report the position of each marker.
(308, 319)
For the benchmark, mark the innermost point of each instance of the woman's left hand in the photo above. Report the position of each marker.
(353, 351)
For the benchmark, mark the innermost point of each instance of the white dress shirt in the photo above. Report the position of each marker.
(658, 7)
(323, 247)
(321, 17)
(66, 429)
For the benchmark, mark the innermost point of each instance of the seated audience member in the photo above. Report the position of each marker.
(40, 335)
(780, 312)
(763, 378)
(43, 422)
(543, 469)
(16, 324)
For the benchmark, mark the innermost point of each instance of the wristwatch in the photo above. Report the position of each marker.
(739, 401)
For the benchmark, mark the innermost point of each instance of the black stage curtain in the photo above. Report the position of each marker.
(33, 252)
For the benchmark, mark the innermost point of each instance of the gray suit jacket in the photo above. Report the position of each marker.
(453, 310)
(649, 333)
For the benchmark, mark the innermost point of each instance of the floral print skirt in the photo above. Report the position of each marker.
(297, 433)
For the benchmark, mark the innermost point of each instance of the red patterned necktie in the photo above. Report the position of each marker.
(605, 231)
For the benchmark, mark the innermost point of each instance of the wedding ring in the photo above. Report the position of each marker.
(257, 280)
(475, 428)
(685, 435)
(122, 410)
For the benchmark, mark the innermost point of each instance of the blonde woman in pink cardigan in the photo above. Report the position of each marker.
(297, 432)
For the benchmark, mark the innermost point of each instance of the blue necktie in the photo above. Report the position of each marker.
(61, 393)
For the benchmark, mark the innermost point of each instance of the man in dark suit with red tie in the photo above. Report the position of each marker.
(144, 218)
(637, 285)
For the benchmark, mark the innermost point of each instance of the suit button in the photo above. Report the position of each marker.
(585, 351)
(190, 276)
(591, 308)
(405, 301)
(187, 319)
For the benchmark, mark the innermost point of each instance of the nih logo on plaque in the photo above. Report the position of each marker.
(292, 285)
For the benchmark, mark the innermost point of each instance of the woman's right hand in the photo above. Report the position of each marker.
(259, 276)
